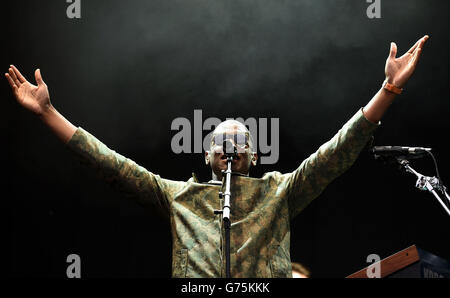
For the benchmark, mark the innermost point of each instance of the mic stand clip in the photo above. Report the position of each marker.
(425, 182)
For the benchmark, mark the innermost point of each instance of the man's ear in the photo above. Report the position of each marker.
(254, 158)
(207, 154)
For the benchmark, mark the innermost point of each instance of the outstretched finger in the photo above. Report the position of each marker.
(416, 56)
(418, 51)
(411, 50)
(393, 50)
(14, 77)
(19, 75)
(422, 42)
(418, 43)
(38, 77)
(11, 82)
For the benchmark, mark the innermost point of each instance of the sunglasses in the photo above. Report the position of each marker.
(239, 139)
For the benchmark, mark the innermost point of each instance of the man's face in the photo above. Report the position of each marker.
(240, 137)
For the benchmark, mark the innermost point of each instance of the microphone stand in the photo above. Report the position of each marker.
(226, 209)
(425, 182)
(226, 215)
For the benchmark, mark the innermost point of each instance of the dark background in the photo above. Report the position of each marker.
(126, 69)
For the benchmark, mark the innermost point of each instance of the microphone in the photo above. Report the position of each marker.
(399, 151)
(229, 149)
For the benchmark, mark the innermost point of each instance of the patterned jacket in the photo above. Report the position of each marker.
(262, 208)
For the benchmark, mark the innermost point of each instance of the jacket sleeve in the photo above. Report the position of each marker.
(124, 174)
(331, 160)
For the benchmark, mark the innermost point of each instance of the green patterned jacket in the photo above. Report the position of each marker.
(261, 207)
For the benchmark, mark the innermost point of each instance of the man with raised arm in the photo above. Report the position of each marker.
(262, 208)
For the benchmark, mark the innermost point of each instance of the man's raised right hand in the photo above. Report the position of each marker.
(31, 97)
(37, 100)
